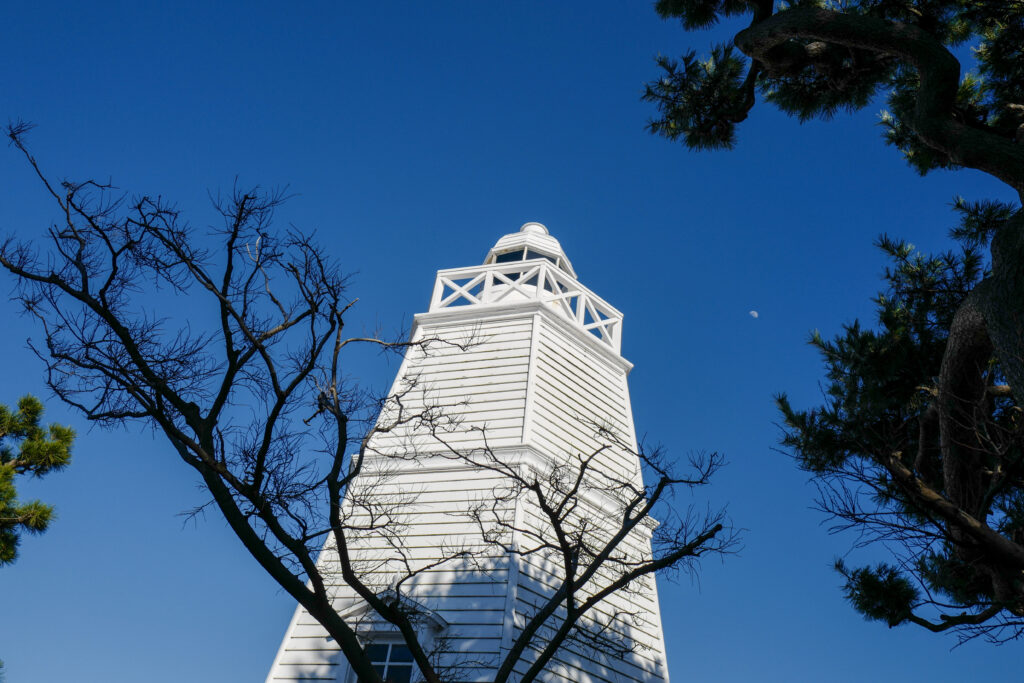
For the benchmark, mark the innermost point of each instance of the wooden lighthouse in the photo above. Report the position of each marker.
(508, 438)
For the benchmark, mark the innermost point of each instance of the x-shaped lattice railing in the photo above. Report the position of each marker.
(532, 280)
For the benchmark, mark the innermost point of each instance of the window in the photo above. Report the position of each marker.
(530, 254)
(392, 661)
(509, 256)
(525, 254)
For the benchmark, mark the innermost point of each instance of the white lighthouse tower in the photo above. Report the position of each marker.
(501, 462)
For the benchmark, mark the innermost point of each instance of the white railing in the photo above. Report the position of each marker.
(535, 280)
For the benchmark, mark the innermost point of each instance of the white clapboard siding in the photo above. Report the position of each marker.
(480, 389)
(528, 375)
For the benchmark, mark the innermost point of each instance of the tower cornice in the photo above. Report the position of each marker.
(519, 309)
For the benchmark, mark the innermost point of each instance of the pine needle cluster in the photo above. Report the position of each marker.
(27, 449)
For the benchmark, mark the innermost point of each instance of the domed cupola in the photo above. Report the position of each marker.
(531, 242)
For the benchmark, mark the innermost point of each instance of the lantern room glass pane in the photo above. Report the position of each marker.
(509, 256)
(530, 254)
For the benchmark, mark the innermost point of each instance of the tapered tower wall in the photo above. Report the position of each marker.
(514, 371)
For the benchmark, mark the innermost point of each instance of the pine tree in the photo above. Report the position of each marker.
(878, 431)
(918, 446)
(26, 448)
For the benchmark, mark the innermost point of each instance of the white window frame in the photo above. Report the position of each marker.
(390, 643)
(372, 630)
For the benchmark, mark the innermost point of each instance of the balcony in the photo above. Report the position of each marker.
(535, 280)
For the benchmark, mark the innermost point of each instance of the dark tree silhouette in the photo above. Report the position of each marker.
(248, 392)
(878, 454)
(922, 415)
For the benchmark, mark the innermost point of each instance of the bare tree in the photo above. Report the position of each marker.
(254, 402)
(595, 555)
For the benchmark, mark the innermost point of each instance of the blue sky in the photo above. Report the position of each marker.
(413, 136)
